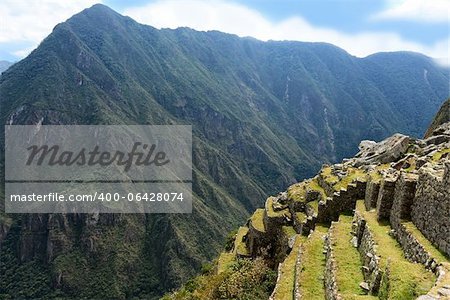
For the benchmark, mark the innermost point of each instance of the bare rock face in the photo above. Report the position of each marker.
(388, 150)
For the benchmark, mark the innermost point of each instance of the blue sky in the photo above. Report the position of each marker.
(361, 27)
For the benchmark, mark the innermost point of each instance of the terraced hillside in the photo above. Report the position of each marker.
(372, 227)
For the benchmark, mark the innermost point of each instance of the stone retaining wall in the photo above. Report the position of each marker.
(330, 282)
(404, 193)
(365, 244)
(371, 196)
(431, 206)
(385, 198)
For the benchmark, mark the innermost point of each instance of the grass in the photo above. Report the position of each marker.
(225, 261)
(288, 231)
(285, 286)
(315, 206)
(274, 214)
(328, 176)
(239, 245)
(314, 185)
(301, 217)
(297, 192)
(352, 174)
(375, 175)
(257, 220)
(407, 280)
(313, 265)
(437, 156)
(435, 253)
(349, 274)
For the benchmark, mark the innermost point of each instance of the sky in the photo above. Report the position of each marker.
(361, 27)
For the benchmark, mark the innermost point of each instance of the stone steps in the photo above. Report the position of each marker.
(343, 274)
(386, 270)
(311, 266)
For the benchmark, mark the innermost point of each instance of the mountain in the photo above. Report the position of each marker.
(443, 116)
(4, 65)
(264, 115)
(372, 227)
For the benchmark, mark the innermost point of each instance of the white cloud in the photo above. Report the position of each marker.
(243, 21)
(32, 20)
(416, 10)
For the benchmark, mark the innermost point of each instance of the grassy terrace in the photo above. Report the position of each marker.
(328, 176)
(407, 280)
(225, 261)
(285, 287)
(257, 220)
(272, 213)
(300, 216)
(377, 176)
(239, 245)
(438, 255)
(314, 185)
(349, 274)
(352, 174)
(313, 265)
(297, 192)
(315, 206)
(288, 231)
(437, 156)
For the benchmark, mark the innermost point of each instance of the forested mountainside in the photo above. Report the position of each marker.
(264, 115)
(372, 227)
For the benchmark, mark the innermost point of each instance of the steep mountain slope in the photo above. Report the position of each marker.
(443, 116)
(264, 115)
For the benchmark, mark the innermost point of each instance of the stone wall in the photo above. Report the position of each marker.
(385, 198)
(404, 193)
(371, 196)
(341, 201)
(366, 247)
(413, 250)
(330, 282)
(431, 206)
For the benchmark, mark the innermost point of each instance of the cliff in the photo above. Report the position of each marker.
(375, 226)
(442, 117)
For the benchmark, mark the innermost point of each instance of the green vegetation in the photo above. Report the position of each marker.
(312, 265)
(257, 220)
(271, 213)
(297, 192)
(225, 261)
(288, 231)
(102, 68)
(349, 274)
(406, 280)
(352, 174)
(240, 247)
(314, 185)
(315, 206)
(436, 254)
(285, 286)
(301, 217)
(330, 178)
(375, 175)
(437, 156)
(244, 279)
